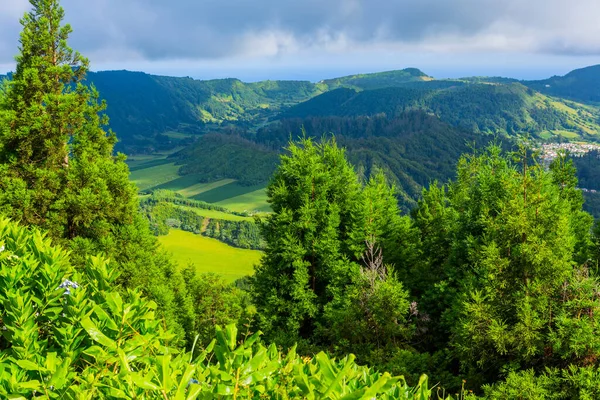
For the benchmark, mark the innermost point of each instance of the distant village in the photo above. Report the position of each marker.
(550, 151)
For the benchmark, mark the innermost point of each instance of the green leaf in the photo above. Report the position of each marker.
(30, 366)
(58, 379)
(143, 382)
(96, 335)
(231, 331)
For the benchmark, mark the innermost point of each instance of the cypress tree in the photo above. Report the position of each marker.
(58, 170)
(313, 270)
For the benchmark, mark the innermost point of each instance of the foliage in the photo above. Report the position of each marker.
(164, 210)
(310, 284)
(58, 170)
(412, 149)
(68, 334)
(506, 278)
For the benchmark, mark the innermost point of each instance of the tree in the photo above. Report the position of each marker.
(518, 297)
(313, 278)
(58, 170)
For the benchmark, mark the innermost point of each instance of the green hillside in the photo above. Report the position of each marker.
(509, 108)
(581, 85)
(216, 157)
(156, 112)
(378, 79)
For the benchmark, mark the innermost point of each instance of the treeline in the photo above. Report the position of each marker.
(164, 210)
(413, 149)
(242, 234)
(492, 278)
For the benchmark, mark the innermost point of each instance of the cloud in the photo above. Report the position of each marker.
(156, 30)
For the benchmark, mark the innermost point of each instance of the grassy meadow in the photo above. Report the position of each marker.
(157, 172)
(210, 255)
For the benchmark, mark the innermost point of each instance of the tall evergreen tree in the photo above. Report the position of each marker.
(315, 276)
(509, 286)
(58, 170)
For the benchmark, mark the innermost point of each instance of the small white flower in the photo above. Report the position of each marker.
(2, 248)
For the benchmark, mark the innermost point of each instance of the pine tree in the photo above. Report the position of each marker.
(58, 170)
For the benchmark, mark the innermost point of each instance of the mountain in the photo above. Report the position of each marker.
(498, 108)
(580, 85)
(143, 107)
(378, 80)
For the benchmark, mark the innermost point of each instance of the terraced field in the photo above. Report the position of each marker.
(210, 255)
(158, 172)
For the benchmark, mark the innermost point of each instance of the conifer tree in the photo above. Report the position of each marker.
(509, 287)
(58, 170)
(322, 223)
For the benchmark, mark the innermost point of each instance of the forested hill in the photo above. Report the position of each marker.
(141, 106)
(378, 79)
(581, 85)
(151, 113)
(506, 108)
(413, 149)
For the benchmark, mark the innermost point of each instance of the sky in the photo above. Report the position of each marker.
(318, 39)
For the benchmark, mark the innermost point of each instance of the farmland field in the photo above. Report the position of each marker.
(210, 255)
(147, 178)
(157, 172)
(215, 214)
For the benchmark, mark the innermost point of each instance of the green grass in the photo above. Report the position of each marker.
(210, 255)
(156, 172)
(154, 176)
(251, 201)
(198, 188)
(226, 192)
(215, 214)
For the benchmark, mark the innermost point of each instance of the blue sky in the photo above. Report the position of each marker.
(316, 39)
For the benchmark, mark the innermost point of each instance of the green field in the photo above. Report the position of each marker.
(147, 178)
(215, 214)
(251, 201)
(237, 197)
(157, 172)
(210, 255)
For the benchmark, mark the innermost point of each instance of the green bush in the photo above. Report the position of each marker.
(68, 334)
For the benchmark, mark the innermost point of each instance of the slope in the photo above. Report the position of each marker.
(581, 85)
(378, 80)
(508, 108)
(145, 108)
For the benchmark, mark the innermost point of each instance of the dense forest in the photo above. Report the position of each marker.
(508, 108)
(485, 280)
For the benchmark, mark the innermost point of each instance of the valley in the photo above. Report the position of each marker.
(405, 122)
(384, 235)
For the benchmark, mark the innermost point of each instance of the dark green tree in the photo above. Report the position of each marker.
(317, 277)
(58, 170)
(510, 288)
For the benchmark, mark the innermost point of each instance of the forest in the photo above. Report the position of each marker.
(467, 273)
